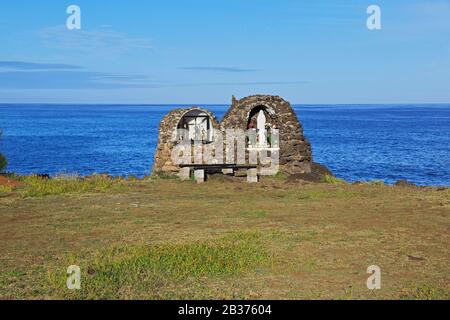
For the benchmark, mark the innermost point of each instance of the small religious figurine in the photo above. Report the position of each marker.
(262, 137)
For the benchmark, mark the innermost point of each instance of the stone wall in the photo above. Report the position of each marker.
(167, 139)
(295, 149)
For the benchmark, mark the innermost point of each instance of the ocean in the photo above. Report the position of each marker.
(357, 142)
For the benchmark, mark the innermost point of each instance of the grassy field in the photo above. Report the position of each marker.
(166, 239)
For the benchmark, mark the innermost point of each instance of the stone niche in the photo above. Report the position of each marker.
(295, 150)
(254, 113)
(198, 125)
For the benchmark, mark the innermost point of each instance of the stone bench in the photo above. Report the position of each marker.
(200, 171)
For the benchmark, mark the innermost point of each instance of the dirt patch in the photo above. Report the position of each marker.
(6, 182)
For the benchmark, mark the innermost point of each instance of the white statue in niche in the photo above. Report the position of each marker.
(261, 126)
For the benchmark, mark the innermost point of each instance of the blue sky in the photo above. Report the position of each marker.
(308, 51)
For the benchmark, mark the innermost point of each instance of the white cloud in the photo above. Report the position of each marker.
(93, 42)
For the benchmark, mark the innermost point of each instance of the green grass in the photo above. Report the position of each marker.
(424, 292)
(145, 269)
(280, 175)
(166, 239)
(340, 193)
(333, 180)
(38, 187)
(254, 213)
(5, 189)
(3, 162)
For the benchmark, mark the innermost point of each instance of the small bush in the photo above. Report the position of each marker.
(3, 162)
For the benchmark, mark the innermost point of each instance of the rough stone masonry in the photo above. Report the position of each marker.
(295, 155)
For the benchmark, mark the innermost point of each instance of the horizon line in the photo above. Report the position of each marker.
(215, 104)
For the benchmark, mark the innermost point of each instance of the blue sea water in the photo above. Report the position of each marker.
(357, 142)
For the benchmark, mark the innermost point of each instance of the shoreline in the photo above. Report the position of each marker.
(400, 182)
(11, 183)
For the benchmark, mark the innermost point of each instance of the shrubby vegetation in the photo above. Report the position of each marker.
(3, 162)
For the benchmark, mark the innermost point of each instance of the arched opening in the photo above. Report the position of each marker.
(260, 127)
(196, 125)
